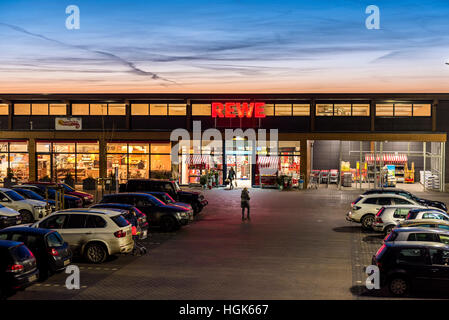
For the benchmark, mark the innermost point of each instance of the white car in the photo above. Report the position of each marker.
(365, 208)
(389, 217)
(418, 234)
(30, 210)
(9, 217)
(94, 234)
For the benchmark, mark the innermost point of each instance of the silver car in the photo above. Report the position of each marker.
(94, 234)
(389, 217)
(418, 234)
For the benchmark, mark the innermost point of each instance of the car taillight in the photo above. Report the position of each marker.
(53, 252)
(120, 234)
(379, 220)
(15, 268)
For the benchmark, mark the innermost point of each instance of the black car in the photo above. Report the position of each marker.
(424, 202)
(69, 201)
(195, 199)
(30, 194)
(411, 264)
(129, 209)
(51, 252)
(18, 268)
(169, 218)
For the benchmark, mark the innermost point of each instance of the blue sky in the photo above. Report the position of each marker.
(224, 46)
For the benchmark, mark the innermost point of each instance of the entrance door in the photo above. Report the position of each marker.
(242, 168)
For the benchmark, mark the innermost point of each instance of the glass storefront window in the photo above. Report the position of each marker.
(384, 110)
(64, 164)
(14, 157)
(63, 147)
(342, 110)
(58, 109)
(22, 109)
(160, 148)
(422, 110)
(87, 166)
(117, 147)
(43, 146)
(138, 148)
(324, 110)
(80, 109)
(160, 162)
(4, 165)
(403, 110)
(201, 109)
(18, 146)
(139, 109)
(269, 109)
(283, 109)
(44, 166)
(87, 147)
(116, 109)
(301, 109)
(117, 161)
(19, 164)
(360, 110)
(3, 146)
(138, 166)
(39, 109)
(176, 109)
(158, 109)
(4, 109)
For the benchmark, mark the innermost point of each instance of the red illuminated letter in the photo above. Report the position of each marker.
(259, 111)
(217, 109)
(229, 110)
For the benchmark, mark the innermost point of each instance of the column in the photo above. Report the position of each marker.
(103, 159)
(32, 159)
(304, 163)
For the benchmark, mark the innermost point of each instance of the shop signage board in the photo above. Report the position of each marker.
(68, 124)
(238, 110)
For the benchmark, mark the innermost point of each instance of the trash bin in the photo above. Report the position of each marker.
(301, 184)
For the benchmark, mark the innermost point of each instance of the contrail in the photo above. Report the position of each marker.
(103, 53)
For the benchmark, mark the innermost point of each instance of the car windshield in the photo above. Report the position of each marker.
(14, 195)
(120, 221)
(54, 240)
(31, 195)
(168, 199)
(67, 187)
(21, 253)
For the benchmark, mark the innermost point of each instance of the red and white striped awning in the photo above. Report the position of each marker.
(387, 158)
(197, 159)
(268, 160)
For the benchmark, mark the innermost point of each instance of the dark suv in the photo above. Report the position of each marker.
(408, 264)
(168, 217)
(18, 268)
(195, 199)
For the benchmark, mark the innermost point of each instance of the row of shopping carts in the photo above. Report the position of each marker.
(318, 177)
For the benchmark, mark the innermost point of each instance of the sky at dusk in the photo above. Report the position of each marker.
(229, 46)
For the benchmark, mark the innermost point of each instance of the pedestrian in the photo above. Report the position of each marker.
(231, 177)
(245, 203)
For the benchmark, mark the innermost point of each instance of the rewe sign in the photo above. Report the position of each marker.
(238, 109)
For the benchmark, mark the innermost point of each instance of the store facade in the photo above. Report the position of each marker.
(93, 135)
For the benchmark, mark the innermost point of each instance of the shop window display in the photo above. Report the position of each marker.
(14, 158)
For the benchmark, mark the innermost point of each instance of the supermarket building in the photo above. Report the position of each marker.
(47, 136)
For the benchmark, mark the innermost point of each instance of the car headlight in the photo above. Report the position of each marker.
(39, 208)
(182, 214)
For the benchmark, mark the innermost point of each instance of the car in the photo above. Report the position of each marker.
(425, 223)
(18, 267)
(9, 217)
(94, 234)
(29, 194)
(415, 214)
(388, 217)
(128, 209)
(429, 203)
(51, 252)
(364, 208)
(404, 265)
(69, 201)
(195, 199)
(87, 198)
(168, 217)
(418, 234)
(167, 199)
(30, 210)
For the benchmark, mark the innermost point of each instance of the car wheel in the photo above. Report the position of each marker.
(367, 221)
(95, 253)
(388, 230)
(26, 216)
(398, 286)
(168, 223)
(196, 208)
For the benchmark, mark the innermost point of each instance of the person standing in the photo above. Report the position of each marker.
(231, 177)
(245, 203)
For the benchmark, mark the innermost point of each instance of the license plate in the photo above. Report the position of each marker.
(66, 262)
(32, 278)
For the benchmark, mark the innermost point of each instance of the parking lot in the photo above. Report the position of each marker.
(298, 245)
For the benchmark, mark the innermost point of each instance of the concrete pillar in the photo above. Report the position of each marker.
(32, 159)
(103, 159)
(304, 163)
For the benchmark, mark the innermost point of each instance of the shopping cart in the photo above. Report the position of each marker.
(313, 180)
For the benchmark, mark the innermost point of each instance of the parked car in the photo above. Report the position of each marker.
(167, 199)
(169, 218)
(128, 209)
(87, 198)
(427, 214)
(93, 234)
(389, 217)
(30, 210)
(364, 209)
(418, 234)
(69, 201)
(425, 202)
(408, 264)
(51, 252)
(195, 199)
(29, 194)
(18, 268)
(9, 217)
(425, 223)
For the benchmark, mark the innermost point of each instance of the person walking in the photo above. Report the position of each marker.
(245, 203)
(231, 177)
